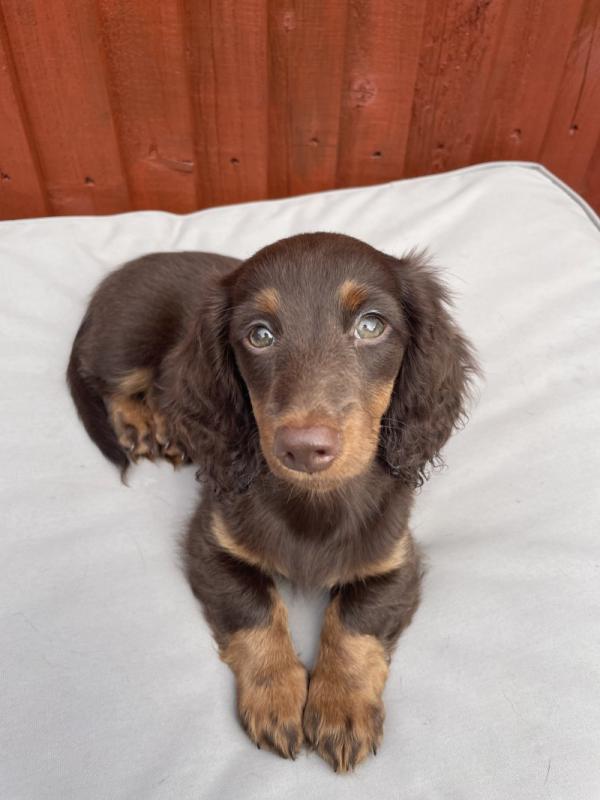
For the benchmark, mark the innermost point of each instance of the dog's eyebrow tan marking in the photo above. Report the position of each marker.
(352, 294)
(268, 300)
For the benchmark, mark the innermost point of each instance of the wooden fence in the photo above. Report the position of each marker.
(114, 105)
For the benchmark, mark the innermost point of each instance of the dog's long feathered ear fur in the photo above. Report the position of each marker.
(432, 387)
(206, 400)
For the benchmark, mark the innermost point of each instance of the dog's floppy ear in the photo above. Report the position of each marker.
(206, 400)
(431, 389)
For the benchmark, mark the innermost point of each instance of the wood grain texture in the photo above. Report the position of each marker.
(22, 191)
(573, 133)
(381, 58)
(149, 87)
(306, 62)
(226, 43)
(529, 52)
(59, 61)
(450, 87)
(115, 105)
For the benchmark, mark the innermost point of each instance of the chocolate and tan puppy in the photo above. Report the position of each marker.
(312, 384)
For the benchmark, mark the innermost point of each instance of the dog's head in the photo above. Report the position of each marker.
(318, 356)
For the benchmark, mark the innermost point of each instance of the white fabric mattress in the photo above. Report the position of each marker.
(110, 682)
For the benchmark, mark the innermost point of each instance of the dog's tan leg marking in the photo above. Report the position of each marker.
(142, 430)
(271, 683)
(343, 718)
(133, 423)
(138, 381)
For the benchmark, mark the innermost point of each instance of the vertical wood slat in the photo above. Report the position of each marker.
(528, 62)
(21, 188)
(306, 57)
(59, 61)
(150, 96)
(383, 42)
(456, 57)
(226, 42)
(574, 129)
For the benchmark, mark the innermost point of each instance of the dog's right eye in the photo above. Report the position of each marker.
(260, 336)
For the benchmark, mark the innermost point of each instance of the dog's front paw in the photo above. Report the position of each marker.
(341, 722)
(133, 425)
(270, 708)
(170, 448)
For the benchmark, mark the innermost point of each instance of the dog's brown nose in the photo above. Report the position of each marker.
(307, 449)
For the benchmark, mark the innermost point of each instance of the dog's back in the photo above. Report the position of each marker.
(136, 315)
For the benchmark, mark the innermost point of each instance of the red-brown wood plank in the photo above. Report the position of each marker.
(226, 42)
(306, 57)
(574, 127)
(450, 88)
(21, 189)
(591, 184)
(58, 57)
(382, 47)
(528, 62)
(146, 59)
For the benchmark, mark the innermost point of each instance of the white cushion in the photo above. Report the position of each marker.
(110, 682)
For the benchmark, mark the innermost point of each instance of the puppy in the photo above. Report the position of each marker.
(313, 385)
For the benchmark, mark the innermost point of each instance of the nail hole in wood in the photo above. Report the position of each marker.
(376, 154)
(573, 130)
(89, 181)
(234, 161)
(5, 177)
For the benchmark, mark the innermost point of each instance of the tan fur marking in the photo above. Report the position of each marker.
(132, 422)
(401, 552)
(268, 300)
(140, 428)
(344, 714)
(228, 543)
(352, 294)
(139, 380)
(379, 399)
(360, 435)
(271, 682)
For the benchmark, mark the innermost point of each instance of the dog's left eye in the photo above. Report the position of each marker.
(371, 326)
(260, 336)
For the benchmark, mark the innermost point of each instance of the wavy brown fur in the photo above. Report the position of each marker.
(166, 348)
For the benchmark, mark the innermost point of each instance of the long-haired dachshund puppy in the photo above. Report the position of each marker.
(314, 385)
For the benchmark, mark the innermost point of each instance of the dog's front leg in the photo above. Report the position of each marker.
(249, 621)
(343, 718)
